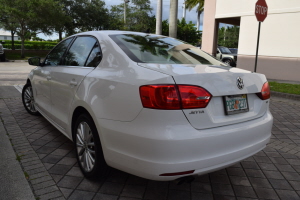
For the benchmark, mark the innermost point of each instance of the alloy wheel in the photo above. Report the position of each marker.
(29, 99)
(85, 146)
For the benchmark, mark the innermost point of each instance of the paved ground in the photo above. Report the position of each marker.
(48, 160)
(14, 73)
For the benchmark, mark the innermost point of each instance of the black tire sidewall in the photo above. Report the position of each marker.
(100, 167)
(30, 112)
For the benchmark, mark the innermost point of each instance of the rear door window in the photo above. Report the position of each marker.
(84, 47)
(55, 56)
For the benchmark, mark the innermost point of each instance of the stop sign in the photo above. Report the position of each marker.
(261, 10)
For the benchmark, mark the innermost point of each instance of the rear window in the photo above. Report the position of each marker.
(162, 50)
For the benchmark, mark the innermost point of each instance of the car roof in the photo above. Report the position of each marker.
(112, 32)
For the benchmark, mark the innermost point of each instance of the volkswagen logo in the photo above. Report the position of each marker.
(240, 83)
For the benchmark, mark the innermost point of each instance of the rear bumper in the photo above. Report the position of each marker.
(149, 146)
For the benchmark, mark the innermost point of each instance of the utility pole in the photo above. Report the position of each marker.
(159, 18)
(125, 1)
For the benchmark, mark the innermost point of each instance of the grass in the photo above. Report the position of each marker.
(19, 157)
(285, 87)
(26, 175)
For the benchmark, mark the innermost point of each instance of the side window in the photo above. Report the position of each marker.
(79, 51)
(95, 56)
(54, 57)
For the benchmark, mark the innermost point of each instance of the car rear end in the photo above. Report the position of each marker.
(2, 53)
(209, 117)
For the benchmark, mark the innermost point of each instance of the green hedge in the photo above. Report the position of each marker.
(38, 45)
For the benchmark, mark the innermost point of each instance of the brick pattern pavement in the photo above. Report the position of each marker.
(49, 160)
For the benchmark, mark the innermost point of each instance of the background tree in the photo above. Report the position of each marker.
(83, 15)
(190, 4)
(32, 16)
(185, 31)
(229, 36)
(138, 16)
(8, 24)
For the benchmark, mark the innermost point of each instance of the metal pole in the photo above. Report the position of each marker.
(258, 35)
(159, 18)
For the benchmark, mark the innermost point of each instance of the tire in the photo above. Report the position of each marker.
(3, 58)
(28, 100)
(88, 148)
(228, 62)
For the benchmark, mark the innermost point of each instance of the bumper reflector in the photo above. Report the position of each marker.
(177, 173)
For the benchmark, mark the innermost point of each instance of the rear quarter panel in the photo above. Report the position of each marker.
(111, 90)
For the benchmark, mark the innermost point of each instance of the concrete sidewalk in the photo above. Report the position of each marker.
(12, 178)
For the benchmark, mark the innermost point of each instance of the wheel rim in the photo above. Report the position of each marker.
(85, 146)
(227, 62)
(29, 99)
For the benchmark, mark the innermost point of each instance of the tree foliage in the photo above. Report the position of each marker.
(229, 37)
(185, 31)
(83, 15)
(138, 16)
(31, 16)
(190, 4)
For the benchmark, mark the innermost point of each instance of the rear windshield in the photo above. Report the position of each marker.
(162, 50)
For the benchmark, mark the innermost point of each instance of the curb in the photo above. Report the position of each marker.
(286, 95)
(16, 60)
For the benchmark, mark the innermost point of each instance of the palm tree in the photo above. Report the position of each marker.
(190, 4)
(159, 17)
(173, 18)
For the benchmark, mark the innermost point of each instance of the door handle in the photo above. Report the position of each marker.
(73, 82)
(48, 78)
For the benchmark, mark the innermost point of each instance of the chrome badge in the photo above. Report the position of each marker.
(240, 83)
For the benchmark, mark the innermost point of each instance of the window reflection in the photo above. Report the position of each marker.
(162, 50)
(54, 57)
(79, 51)
(95, 56)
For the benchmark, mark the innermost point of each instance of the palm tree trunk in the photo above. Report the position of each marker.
(198, 21)
(173, 18)
(159, 18)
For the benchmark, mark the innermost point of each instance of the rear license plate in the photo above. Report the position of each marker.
(235, 104)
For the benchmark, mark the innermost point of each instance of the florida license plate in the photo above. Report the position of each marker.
(235, 104)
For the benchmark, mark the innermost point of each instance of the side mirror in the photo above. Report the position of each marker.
(218, 51)
(35, 61)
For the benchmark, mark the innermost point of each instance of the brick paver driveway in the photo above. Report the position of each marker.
(49, 163)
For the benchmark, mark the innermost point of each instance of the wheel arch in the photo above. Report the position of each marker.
(227, 58)
(28, 81)
(76, 113)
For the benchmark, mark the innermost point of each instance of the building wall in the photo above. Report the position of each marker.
(5, 37)
(279, 54)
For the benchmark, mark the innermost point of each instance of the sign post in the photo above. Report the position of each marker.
(261, 12)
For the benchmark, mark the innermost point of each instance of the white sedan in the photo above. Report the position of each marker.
(149, 105)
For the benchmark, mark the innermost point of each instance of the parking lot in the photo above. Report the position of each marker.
(49, 164)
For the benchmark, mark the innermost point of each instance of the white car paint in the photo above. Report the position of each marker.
(149, 142)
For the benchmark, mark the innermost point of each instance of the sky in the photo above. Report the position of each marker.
(190, 15)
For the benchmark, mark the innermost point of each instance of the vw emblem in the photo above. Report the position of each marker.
(240, 83)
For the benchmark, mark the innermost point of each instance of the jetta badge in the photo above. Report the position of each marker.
(240, 83)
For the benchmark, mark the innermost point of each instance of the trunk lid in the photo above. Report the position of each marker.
(220, 82)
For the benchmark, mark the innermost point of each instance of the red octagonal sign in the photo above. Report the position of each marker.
(261, 10)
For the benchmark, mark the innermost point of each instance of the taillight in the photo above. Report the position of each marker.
(265, 92)
(174, 97)
(193, 96)
(160, 97)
